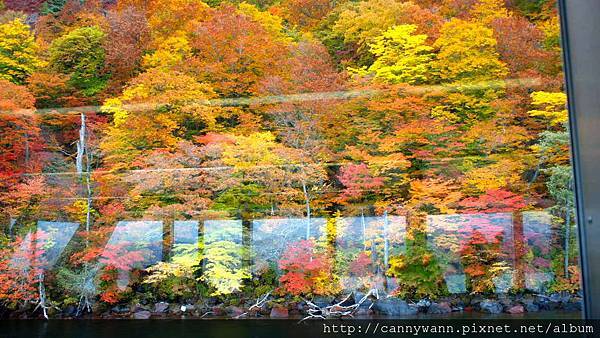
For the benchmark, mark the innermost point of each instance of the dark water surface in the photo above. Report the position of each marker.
(269, 328)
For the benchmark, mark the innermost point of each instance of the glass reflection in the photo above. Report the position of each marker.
(133, 245)
(45, 245)
(271, 237)
(477, 250)
(222, 259)
(185, 249)
(481, 253)
(364, 247)
(56, 239)
(537, 229)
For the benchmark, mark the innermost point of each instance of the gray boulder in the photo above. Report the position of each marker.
(574, 305)
(161, 307)
(120, 309)
(70, 311)
(531, 307)
(439, 308)
(394, 307)
(491, 306)
(142, 315)
(322, 301)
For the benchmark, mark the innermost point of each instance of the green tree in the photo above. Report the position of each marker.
(80, 53)
(17, 51)
(417, 270)
(552, 150)
(52, 6)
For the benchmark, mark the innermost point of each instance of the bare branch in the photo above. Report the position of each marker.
(260, 302)
(337, 310)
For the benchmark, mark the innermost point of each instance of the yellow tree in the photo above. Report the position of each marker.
(17, 51)
(280, 173)
(552, 147)
(467, 52)
(171, 52)
(401, 56)
(170, 24)
(486, 11)
(151, 112)
(468, 63)
(503, 173)
(552, 107)
(273, 24)
(359, 23)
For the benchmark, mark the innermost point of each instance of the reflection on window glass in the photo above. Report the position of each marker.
(216, 154)
(477, 251)
(132, 245)
(185, 241)
(364, 246)
(42, 248)
(271, 237)
(223, 254)
(539, 228)
(52, 238)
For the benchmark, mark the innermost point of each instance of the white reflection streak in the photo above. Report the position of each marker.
(59, 235)
(288, 98)
(305, 97)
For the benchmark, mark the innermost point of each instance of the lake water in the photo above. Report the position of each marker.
(219, 328)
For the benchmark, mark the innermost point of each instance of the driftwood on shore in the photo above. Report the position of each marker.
(260, 302)
(338, 310)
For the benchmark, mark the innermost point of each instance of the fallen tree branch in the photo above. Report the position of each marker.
(338, 310)
(260, 302)
(206, 314)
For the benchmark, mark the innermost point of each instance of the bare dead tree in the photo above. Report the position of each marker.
(86, 284)
(41, 302)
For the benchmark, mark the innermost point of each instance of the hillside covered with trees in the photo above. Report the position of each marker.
(211, 153)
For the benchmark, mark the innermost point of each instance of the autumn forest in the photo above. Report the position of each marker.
(275, 158)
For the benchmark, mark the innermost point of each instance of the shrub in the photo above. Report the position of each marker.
(418, 272)
(306, 270)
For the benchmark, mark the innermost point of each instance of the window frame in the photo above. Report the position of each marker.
(580, 32)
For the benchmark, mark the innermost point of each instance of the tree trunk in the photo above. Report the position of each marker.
(246, 241)
(167, 237)
(519, 247)
(308, 215)
(364, 229)
(386, 243)
(11, 226)
(81, 151)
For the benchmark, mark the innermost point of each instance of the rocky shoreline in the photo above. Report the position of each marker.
(282, 308)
